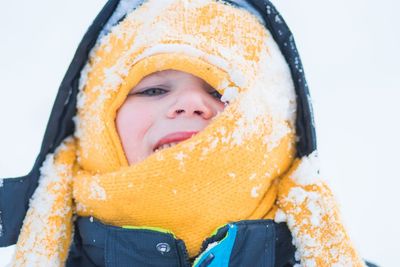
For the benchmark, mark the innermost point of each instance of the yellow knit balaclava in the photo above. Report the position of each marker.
(237, 168)
(226, 172)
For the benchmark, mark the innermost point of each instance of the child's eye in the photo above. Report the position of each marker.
(153, 92)
(216, 94)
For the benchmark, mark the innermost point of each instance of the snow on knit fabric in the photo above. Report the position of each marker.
(46, 233)
(228, 38)
(309, 208)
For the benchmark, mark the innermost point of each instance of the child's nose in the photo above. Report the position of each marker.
(192, 103)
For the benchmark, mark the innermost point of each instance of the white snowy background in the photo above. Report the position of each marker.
(350, 51)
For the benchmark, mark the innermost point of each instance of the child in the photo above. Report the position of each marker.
(189, 119)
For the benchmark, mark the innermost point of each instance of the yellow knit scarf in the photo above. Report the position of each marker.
(230, 171)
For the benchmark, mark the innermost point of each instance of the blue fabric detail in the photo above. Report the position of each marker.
(219, 255)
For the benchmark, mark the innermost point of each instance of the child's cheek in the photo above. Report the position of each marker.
(136, 117)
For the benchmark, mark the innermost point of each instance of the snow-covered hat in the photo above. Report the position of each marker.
(225, 46)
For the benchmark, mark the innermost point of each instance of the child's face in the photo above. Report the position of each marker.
(166, 107)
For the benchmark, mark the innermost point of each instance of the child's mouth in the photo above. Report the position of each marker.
(173, 139)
